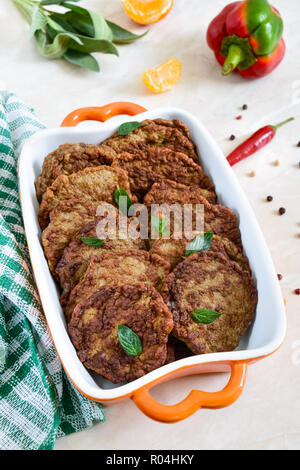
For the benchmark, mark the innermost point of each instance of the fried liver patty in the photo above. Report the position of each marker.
(218, 219)
(157, 133)
(65, 160)
(94, 331)
(173, 249)
(118, 267)
(171, 349)
(207, 280)
(91, 184)
(170, 190)
(66, 219)
(153, 164)
(76, 257)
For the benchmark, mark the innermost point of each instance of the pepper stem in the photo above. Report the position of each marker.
(282, 123)
(234, 58)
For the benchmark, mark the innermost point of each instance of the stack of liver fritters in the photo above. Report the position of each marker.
(150, 286)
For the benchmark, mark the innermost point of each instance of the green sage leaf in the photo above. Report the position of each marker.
(92, 241)
(121, 35)
(100, 28)
(128, 127)
(38, 20)
(55, 2)
(59, 26)
(83, 25)
(54, 50)
(201, 242)
(81, 59)
(123, 200)
(129, 341)
(205, 315)
(60, 20)
(53, 29)
(93, 45)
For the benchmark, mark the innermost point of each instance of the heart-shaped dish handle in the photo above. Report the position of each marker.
(195, 400)
(102, 113)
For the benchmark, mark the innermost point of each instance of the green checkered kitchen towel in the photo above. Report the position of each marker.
(37, 402)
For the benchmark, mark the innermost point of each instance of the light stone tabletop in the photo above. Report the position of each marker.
(267, 415)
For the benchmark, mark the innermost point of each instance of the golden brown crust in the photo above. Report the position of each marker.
(92, 185)
(156, 133)
(66, 219)
(175, 123)
(173, 249)
(67, 159)
(94, 331)
(182, 351)
(234, 253)
(76, 257)
(118, 267)
(165, 190)
(207, 280)
(117, 283)
(171, 348)
(153, 164)
(218, 219)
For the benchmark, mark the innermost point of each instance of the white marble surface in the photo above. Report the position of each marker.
(267, 416)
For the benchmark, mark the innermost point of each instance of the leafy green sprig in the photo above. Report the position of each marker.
(123, 200)
(201, 242)
(205, 315)
(74, 33)
(129, 341)
(92, 241)
(159, 225)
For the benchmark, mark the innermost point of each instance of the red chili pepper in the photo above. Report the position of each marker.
(258, 140)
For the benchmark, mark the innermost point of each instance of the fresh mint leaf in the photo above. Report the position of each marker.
(123, 200)
(92, 241)
(201, 242)
(205, 315)
(129, 341)
(128, 127)
(159, 225)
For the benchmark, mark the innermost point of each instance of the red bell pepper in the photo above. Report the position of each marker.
(247, 36)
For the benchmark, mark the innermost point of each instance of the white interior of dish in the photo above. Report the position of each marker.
(268, 330)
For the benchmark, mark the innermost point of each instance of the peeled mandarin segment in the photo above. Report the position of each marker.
(163, 77)
(147, 11)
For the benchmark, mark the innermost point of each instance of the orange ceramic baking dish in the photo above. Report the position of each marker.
(262, 339)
